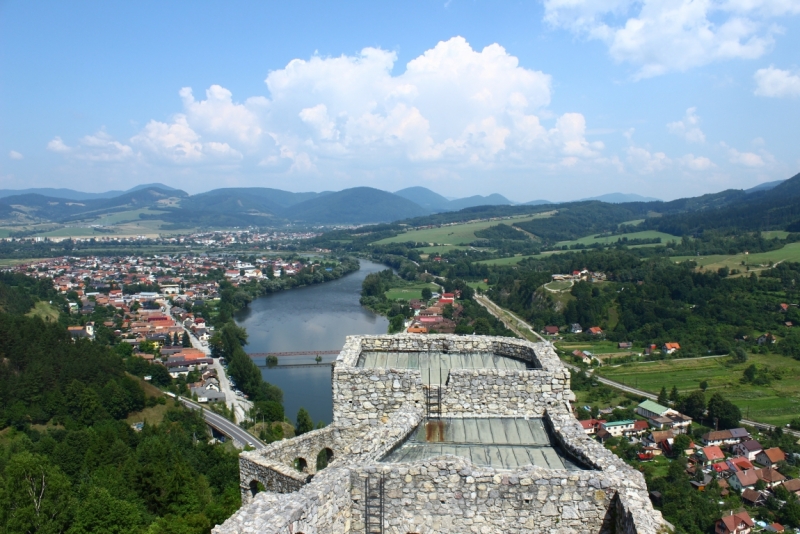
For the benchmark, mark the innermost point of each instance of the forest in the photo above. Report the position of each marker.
(69, 462)
(654, 301)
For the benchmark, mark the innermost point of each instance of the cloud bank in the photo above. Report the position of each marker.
(660, 36)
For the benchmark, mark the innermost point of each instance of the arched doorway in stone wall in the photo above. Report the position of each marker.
(256, 487)
(324, 457)
(301, 465)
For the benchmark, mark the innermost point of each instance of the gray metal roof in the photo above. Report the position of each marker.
(502, 443)
(436, 365)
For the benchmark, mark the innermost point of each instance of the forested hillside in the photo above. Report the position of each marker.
(654, 301)
(69, 460)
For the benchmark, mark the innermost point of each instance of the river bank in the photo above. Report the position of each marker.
(315, 317)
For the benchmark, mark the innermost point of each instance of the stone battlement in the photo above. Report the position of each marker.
(378, 410)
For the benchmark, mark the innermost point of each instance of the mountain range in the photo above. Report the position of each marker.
(260, 206)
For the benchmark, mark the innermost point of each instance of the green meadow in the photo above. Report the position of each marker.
(776, 403)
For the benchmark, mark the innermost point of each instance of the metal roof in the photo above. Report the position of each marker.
(502, 443)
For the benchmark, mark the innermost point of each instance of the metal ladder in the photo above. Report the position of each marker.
(373, 505)
(433, 402)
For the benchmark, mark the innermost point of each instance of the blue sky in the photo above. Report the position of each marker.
(559, 99)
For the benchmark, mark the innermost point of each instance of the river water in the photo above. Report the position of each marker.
(317, 317)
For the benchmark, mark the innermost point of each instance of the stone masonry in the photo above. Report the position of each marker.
(375, 410)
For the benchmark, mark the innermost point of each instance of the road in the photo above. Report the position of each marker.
(517, 328)
(239, 405)
(235, 432)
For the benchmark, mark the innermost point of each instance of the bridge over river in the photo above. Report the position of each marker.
(296, 353)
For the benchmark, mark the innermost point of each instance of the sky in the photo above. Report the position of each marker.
(556, 100)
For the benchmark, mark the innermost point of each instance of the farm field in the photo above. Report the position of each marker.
(513, 260)
(756, 262)
(457, 234)
(410, 291)
(646, 234)
(124, 216)
(777, 403)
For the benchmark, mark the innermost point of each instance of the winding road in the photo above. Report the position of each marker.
(239, 435)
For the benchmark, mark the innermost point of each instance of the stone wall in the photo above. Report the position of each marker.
(373, 395)
(500, 392)
(448, 496)
(321, 507)
(274, 465)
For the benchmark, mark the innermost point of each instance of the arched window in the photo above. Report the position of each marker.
(255, 487)
(324, 457)
(301, 465)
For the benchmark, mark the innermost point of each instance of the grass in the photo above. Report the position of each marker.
(457, 234)
(647, 234)
(601, 349)
(9, 262)
(483, 286)
(513, 260)
(410, 291)
(777, 403)
(153, 416)
(559, 285)
(47, 312)
(756, 262)
(125, 216)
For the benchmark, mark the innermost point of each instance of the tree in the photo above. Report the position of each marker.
(100, 512)
(724, 412)
(681, 443)
(674, 396)
(738, 355)
(36, 497)
(427, 294)
(304, 422)
(704, 385)
(693, 405)
(186, 342)
(663, 400)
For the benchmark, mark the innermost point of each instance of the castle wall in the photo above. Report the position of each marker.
(449, 496)
(498, 392)
(372, 395)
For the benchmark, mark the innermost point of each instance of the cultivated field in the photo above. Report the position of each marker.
(457, 234)
(756, 262)
(777, 403)
(646, 234)
(513, 260)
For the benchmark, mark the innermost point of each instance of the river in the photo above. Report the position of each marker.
(317, 317)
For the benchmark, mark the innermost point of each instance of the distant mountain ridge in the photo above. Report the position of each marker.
(261, 206)
(71, 194)
(437, 203)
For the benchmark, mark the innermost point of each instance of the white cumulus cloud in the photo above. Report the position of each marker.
(453, 107)
(688, 128)
(659, 36)
(58, 145)
(179, 143)
(696, 163)
(13, 154)
(645, 162)
(98, 147)
(747, 159)
(774, 82)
